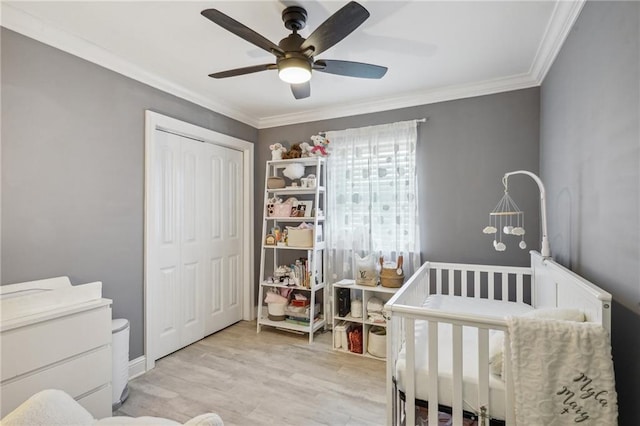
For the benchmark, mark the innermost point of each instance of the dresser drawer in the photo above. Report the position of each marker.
(39, 344)
(98, 402)
(76, 376)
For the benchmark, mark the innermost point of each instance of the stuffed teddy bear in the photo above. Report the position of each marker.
(294, 152)
(319, 148)
(277, 150)
(306, 149)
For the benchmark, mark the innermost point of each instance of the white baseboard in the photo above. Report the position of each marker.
(137, 367)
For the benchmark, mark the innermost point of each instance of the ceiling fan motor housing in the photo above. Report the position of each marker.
(295, 18)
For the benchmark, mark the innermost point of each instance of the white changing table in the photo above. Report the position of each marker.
(55, 336)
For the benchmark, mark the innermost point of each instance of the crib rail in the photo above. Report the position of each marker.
(405, 309)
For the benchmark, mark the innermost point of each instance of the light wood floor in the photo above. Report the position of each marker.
(270, 378)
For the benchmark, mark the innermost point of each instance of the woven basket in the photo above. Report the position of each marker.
(390, 278)
(275, 182)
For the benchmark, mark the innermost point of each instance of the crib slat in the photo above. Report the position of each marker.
(519, 288)
(483, 369)
(505, 287)
(508, 379)
(476, 284)
(463, 279)
(438, 281)
(491, 279)
(410, 378)
(451, 284)
(457, 375)
(391, 362)
(433, 372)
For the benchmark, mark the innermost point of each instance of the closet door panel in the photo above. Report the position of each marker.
(233, 238)
(214, 245)
(164, 259)
(223, 220)
(192, 274)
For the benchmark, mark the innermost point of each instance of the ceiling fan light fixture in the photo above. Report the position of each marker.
(294, 70)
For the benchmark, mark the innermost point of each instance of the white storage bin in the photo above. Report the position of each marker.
(120, 361)
(340, 337)
(356, 308)
(276, 311)
(377, 345)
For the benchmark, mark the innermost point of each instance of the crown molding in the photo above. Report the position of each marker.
(564, 16)
(32, 27)
(425, 97)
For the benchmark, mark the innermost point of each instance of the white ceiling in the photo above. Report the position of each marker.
(435, 50)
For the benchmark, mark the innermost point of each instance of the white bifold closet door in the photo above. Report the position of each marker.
(195, 255)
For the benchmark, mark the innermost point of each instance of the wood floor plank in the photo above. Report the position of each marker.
(267, 378)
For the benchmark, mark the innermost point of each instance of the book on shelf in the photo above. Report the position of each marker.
(301, 321)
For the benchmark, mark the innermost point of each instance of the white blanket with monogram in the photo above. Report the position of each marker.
(562, 372)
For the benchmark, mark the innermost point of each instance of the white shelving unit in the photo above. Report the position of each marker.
(363, 293)
(280, 254)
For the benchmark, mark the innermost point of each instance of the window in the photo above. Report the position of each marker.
(372, 200)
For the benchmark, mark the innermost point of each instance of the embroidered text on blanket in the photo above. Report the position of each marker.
(587, 392)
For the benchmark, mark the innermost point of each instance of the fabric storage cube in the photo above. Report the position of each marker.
(377, 345)
(276, 311)
(300, 237)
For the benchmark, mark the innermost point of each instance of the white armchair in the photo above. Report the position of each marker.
(53, 407)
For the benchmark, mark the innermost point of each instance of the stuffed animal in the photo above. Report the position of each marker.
(306, 149)
(294, 152)
(320, 144)
(277, 150)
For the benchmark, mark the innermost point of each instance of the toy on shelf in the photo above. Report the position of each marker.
(306, 149)
(320, 145)
(277, 151)
(294, 152)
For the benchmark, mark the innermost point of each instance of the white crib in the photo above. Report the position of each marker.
(545, 284)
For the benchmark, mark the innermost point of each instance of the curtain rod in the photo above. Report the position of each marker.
(417, 120)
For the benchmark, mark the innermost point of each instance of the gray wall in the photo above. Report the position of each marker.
(73, 169)
(590, 162)
(464, 149)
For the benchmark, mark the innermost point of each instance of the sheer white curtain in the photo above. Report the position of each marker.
(372, 197)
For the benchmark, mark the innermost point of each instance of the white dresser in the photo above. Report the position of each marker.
(55, 336)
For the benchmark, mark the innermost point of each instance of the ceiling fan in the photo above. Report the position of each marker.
(295, 54)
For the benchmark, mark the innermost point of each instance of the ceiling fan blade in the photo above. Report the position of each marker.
(244, 70)
(242, 31)
(335, 28)
(350, 69)
(301, 91)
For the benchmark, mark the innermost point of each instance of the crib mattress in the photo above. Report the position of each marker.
(457, 304)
